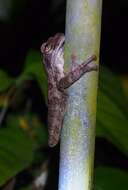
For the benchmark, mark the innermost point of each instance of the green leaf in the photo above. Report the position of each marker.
(111, 85)
(32, 126)
(36, 129)
(124, 80)
(5, 81)
(34, 70)
(112, 112)
(16, 152)
(110, 179)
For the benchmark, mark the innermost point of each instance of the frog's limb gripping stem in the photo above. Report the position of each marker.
(76, 73)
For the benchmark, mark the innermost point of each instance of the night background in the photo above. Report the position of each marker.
(24, 26)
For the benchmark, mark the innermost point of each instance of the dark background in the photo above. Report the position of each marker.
(32, 22)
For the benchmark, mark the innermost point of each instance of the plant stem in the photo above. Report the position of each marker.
(83, 23)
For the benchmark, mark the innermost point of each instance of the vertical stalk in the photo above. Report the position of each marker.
(83, 23)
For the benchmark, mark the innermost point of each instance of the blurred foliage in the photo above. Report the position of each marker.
(33, 70)
(16, 152)
(112, 112)
(12, 9)
(5, 81)
(5, 9)
(125, 83)
(110, 179)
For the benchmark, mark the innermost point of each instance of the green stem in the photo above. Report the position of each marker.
(83, 23)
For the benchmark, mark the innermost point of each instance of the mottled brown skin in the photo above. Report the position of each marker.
(58, 82)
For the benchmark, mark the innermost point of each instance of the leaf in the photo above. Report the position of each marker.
(124, 80)
(35, 129)
(111, 85)
(32, 126)
(110, 179)
(16, 152)
(5, 81)
(112, 113)
(34, 70)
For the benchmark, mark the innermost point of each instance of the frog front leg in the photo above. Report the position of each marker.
(78, 71)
